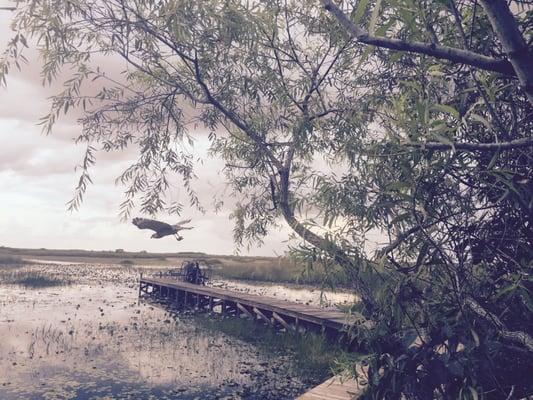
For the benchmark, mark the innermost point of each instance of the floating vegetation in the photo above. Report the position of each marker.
(310, 353)
(11, 260)
(94, 341)
(33, 280)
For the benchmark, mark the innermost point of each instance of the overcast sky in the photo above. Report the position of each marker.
(37, 178)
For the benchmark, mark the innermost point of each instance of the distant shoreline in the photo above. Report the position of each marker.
(248, 268)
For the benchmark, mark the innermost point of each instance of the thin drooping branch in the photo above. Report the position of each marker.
(513, 144)
(516, 48)
(452, 54)
(234, 118)
(403, 236)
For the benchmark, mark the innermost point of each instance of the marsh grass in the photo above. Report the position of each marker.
(33, 279)
(11, 260)
(251, 268)
(313, 356)
(275, 270)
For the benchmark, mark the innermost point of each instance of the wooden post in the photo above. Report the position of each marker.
(262, 316)
(244, 310)
(140, 285)
(197, 301)
(210, 303)
(177, 298)
(278, 318)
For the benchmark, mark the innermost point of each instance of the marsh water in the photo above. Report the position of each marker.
(93, 339)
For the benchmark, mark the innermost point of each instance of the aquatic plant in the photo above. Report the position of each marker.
(33, 279)
(311, 354)
(9, 260)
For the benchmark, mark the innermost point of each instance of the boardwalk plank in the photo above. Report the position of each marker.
(334, 389)
(331, 318)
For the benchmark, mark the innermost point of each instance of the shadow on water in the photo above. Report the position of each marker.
(92, 340)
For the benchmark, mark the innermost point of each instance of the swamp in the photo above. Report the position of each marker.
(361, 170)
(79, 331)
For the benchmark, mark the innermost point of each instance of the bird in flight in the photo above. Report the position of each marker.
(161, 229)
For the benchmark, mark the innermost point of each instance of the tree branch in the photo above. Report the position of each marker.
(505, 27)
(360, 287)
(452, 54)
(516, 337)
(234, 118)
(437, 146)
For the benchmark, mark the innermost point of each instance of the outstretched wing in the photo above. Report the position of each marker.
(157, 226)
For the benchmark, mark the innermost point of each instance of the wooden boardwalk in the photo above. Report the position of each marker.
(334, 389)
(289, 315)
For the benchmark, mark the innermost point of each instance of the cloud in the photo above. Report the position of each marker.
(37, 178)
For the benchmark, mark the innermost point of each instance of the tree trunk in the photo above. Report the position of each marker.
(505, 27)
(320, 243)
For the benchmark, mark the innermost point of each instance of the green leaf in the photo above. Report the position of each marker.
(494, 159)
(438, 126)
(358, 13)
(382, 30)
(475, 337)
(435, 70)
(368, 50)
(395, 56)
(528, 302)
(400, 218)
(374, 17)
(509, 288)
(473, 392)
(446, 109)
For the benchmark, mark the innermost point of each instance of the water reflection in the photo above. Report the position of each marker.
(292, 293)
(93, 341)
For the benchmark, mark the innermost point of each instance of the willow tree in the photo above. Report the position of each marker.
(406, 119)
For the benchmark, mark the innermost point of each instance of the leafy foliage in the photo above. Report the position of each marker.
(344, 141)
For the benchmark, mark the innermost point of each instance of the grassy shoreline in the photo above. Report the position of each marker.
(246, 268)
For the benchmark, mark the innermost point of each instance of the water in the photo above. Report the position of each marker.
(93, 340)
(292, 293)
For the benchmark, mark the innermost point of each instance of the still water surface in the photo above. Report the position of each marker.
(93, 340)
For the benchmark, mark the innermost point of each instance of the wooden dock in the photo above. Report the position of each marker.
(288, 315)
(276, 313)
(334, 388)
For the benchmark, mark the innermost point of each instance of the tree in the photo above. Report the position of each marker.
(424, 137)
